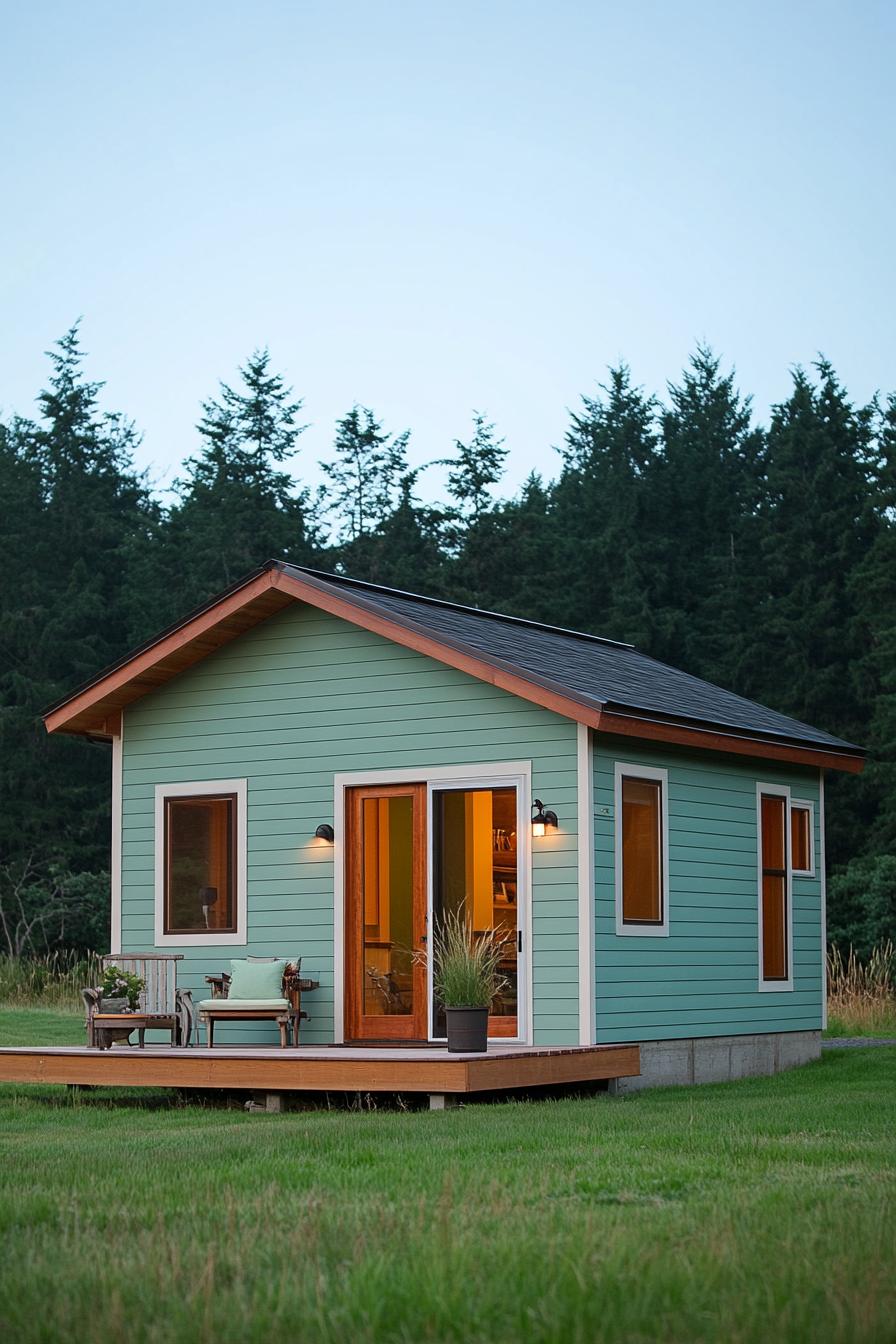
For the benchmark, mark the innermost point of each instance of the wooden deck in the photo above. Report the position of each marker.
(320, 1068)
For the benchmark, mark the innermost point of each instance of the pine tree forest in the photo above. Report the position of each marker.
(758, 556)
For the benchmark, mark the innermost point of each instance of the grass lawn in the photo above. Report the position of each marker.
(41, 1026)
(883, 1025)
(757, 1211)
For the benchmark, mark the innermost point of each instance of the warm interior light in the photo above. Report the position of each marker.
(542, 819)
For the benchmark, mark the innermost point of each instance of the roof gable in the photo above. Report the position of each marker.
(591, 680)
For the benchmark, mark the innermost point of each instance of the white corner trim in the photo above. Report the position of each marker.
(338, 912)
(823, 878)
(198, 789)
(780, 791)
(621, 771)
(115, 863)
(585, 808)
(808, 806)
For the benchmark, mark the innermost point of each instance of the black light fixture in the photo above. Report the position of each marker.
(325, 832)
(542, 819)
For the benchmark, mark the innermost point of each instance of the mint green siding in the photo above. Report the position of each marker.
(702, 980)
(287, 706)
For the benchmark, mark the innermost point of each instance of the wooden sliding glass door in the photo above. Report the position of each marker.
(385, 974)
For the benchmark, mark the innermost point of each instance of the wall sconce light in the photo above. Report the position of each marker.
(325, 832)
(542, 820)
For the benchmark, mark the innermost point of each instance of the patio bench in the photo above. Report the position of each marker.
(262, 973)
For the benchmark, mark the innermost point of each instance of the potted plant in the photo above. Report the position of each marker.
(120, 990)
(466, 979)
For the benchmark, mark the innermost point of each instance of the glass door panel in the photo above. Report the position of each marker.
(475, 871)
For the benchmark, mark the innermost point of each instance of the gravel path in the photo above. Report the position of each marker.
(846, 1042)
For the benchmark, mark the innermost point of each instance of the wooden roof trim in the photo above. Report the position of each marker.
(106, 695)
(719, 740)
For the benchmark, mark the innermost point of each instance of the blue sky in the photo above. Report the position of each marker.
(432, 207)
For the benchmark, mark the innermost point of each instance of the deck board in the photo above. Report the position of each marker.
(319, 1068)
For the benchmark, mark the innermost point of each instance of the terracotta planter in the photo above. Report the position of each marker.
(467, 1030)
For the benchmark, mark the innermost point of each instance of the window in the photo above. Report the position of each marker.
(802, 834)
(641, 850)
(200, 887)
(200, 863)
(774, 888)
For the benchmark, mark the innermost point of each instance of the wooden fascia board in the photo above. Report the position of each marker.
(715, 740)
(410, 635)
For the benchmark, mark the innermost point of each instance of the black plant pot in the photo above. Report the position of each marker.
(467, 1030)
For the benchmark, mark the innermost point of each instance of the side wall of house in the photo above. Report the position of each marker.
(703, 979)
(288, 705)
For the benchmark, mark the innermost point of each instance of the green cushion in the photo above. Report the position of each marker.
(240, 1005)
(256, 979)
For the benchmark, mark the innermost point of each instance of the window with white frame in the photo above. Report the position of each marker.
(200, 863)
(775, 905)
(802, 838)
(642, 850)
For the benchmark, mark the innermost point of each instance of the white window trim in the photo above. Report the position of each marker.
(808, 806)
(505, 774)
(626, 770)
(200, 789)
(779, 791)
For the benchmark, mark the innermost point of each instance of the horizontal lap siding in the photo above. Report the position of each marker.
(703, 979)
(288, 705)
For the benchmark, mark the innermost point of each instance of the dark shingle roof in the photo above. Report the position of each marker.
(614, 676)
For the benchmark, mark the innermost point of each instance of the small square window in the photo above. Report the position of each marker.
(801, 847)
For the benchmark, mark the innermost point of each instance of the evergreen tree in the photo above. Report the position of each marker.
(702, 495)
(598, 572)
(505, 555)
(237, 506)
(405, 549)
(78, 510)
(367, 476)
(872, 589)
(817, 524)
(474, 469)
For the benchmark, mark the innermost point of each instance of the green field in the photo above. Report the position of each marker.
(761, 1210)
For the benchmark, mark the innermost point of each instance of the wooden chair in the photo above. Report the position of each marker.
(162, 1005)
(286, 1012)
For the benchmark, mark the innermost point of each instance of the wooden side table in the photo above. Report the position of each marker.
(111, 1027)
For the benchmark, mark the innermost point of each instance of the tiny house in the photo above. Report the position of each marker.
(311, 766)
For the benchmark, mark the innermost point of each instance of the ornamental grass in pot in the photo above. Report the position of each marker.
(465, 979)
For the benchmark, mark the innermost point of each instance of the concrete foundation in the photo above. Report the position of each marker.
(719, 1059)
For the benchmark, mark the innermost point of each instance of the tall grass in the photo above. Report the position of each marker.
(54, 980)
(464, 968)
(862, 996)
